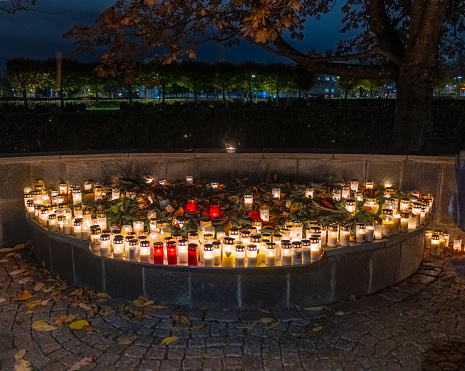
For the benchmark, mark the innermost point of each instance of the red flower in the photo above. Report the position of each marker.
(326, 202)
(255, 215)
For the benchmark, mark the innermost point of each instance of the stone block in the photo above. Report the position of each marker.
(385, 267)
(14, 178)
(348, 170)
(284, 168)
(253, 169)
(154, 167)
(217, 169)
(123, 279)
(382, 172)
(411, 254)
(115, 168)
(214, 288)
(178, 169)
(312, 285)
(13, 224)
(88, 269)
(352, 275)
(61, 252)
(264, 288)
(423, 176)
(167, 283)
(53, 172)
(43, 242)
(314, 170)
(80, 171)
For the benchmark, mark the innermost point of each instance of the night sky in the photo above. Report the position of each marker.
(38, 34)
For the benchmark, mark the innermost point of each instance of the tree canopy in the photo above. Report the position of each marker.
(12, 6)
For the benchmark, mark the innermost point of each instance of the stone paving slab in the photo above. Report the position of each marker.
(417, 325)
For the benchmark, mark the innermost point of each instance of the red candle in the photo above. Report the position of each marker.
(171, 253)
(158, 257)
(192, 254)
(214, 211)
(190, 206)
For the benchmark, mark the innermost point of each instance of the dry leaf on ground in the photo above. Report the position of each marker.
(2, 300)
(83, 362)
(339, 313)
(20, 355)
(313, 309)
(42, 326)
(16, 272)
(102, 295)
(23, 296)
(65, 318)
(317, 328)
(6, 249)
(168, 340)
(78, 325)
(24, 280)
(182, 319)
(22, 365)
(39, 286)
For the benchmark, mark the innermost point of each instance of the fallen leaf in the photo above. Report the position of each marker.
(227, 226)
(313, 309)
(274, 324)
(142, 302)
(33, 304)
(83, 362)
(20, 355)
(102, 295)
(79, 324)
(77, 292)
(24, 280)
(127, 340)
(182, 319)
(39, 286)
(85, 306)
(49, 289)
(23, 295)
(42, 326)
(22, 365)
(6, 249)
(20, 246)
(2, 300)
(339, 313)
(168, 340)
(249, 326)
(45, 302)
(266, 320)
(65, 318)
(10, 255)
(197, 326)
(88, 329)
(16, 272)
(4, 260)
(317, 328)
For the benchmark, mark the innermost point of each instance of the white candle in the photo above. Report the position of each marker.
(251, 255)
(115, 194)
(216, 253)
(412, 222)
(77, 228)
(240, 256)
(276, 193)
(369, 236)
(118, 249)
(297, 247)
(189, 179)
(105, 248)
(306, 254)
(85, 232)
(144, 255)
(182, 251)
(404, 221)
(360, 233)
(265, 215)
(309, 192)
(138, 227)
(435, 245)
(458, 244)
(344, 236)
(208, 255)
(378, 232)
(248, 201)
(270, 254)
(332, 236)
(354, 185)
(286, 253)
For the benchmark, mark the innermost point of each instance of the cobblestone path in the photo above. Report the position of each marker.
(417, 325)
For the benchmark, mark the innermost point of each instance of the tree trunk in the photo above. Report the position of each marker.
(413, 124)
(224, 94)
(345, 94)
(25, 97)
(163, 87)
(130, 97)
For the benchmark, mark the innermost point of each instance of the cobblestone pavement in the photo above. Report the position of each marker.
(417, 325)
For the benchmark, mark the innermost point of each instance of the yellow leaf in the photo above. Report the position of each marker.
(182, 319)
(168, 340)
(6, 249)
(45, 302)
(23, 296)
(64, 318)
(22, 365)
(10, 255)
(2, 300)
(24, 280)
(339, 313)
(142, 301)
(78, 325)
(293, 208)
(85, 306)
(20, 355)
(39, 286)
(227, 226)
(266, 320)
(102, 295)
(20, 246)
(33, 304)
(16, 272)
(42, 326)
(83, 362)
(49, 289)
(179, 212)
(317, 328)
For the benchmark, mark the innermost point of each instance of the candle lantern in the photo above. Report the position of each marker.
(214, 210)
(171, 253)
(360, 232)
(208, 255)
(337, 194)
(435, 245)
(85, 232)
(245, 237)
(286, 252)
(115, 194)
(44, 216)
(286, 233)
(77, 196)
(369, 184)
(404, 221)
(276, 193)
(132, 195)
(404, 204)
(458, 243)
(105, 248)
(371, 205)
(216, 252)
(350, 206)
(270, 254)
(77, 228)
(378, 231)
(68, 226)
(388, 222)
(133, 247)
(264, 214)
(189, 179)
(306, 255)
(183, 252)
(333, 231)
(118, 247)
(86, 217)
(297, 230)
(396, 223)
(52, 222)
(153, 225)
(428, 234)
(125, 229)
(37, 197)
(256, 240)
(358, 196)
(137, 227)
(354, 185)
(95, 233)
(151, 214)
(248, 201)
(215, 185)
(220, 235)
(315, 248)
(158, 253)
(344, 232)
(446, 237)
(60, 222)
(240, 256)
(412, 221)
(345, 192)
(30, 209)
(207, 239)
(78, 211)
(88, 185)
(388, 192)
(102, 220)
(63, 188)
(309, 192)
(228, 252)
(192, 254)
(251, 255)
(370, 235)
(257, 224)
(297, 256)
(190, 207)
(162, 182)
(144, 255)
(441, 238)
(277, 240)
(28, 197)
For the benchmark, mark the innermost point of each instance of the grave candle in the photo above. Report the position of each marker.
(37, 197)
(214, 210)
(125, 229)
(428, 234)
(144, 255)
(98, 189)
(388, 222)
(105, 248)
(77, 196)
(396, 223)
(234, 233)
(158, 253)
(315, 249)
(306, 255)
(257, 224)
(264, 214)
(85, 232)
(286, 252)
(458, 244)
(435, 245)
(423, 215)
(77, 228)
(30, 209)
(63, 189)
(446, 239)
(216, 252)
(60, 221)
(102, 220)
(189, 179)
(86, 217)
(344, 235)
(245, 237)
(192, 254)
(133, 245)
(138, 227)
(369, 184)
(118, 248)
(95, 233)
(297, 228)
(369, 236)
(350, 206)
(228, 252)
(333, 230)
(88, 185)
(358, 196)
(404, 221)
(404, 204)
(208, 255)
(412, 222)
(297, 256)
(378, 232)
(214, 185)
(270, 254)
(345, 192)
(115, 194)
(190, 207)
(52, 222)
(337, 194)
(360, 232)
(276, 193)
(309, 192)
(248, 201)
(371, 205)
(240, 255)
(148, 178)
(171, 253)
(251, 255)
(354, 185)
(183, 252)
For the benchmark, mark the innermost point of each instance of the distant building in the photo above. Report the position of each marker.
(325, 87)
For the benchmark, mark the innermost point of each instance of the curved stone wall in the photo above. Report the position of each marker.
(357, 270)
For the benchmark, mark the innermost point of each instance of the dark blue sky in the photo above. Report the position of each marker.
(36, 34)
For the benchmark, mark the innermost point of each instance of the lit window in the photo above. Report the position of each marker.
(326, 90)
(327, 78)
(332, 90)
